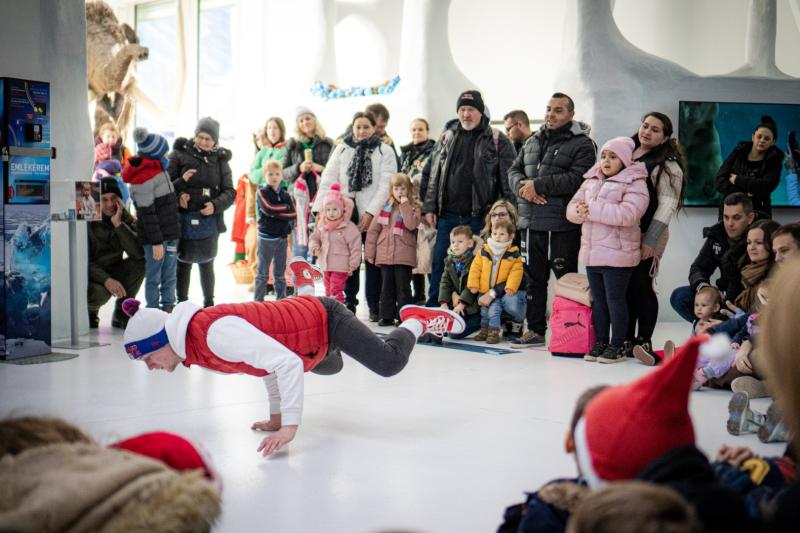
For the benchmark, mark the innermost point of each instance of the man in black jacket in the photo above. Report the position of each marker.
(546, 173)
(726, 243)
(466, 173)
(111, 274)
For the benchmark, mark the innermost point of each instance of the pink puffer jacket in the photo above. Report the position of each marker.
(611, 236)
(339, 248)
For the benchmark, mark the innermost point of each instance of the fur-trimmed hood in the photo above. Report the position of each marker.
(85, 487)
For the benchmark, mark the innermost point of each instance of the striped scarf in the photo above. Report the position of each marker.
(386, 214)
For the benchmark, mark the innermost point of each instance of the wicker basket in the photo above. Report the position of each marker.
(242, 272)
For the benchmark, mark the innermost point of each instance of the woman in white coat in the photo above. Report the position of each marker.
(362, 166)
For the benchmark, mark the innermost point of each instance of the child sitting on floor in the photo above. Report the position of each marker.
(497, 275)
(453, 291)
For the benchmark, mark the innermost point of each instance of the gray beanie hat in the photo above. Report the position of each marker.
(210, 126)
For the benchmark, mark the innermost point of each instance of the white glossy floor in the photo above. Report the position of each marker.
(444, 446)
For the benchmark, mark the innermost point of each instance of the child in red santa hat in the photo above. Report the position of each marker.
(278, 342)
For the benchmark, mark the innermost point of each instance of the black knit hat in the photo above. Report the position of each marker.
(471, 98)
(110, 185)
(210, 126)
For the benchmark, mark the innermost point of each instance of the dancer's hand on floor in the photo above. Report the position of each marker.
(277, 440)
(273, 424)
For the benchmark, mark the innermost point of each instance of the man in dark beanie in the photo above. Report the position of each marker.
(111, 274)
(466, 173)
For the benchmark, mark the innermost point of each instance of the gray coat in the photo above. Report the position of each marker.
(557, 174)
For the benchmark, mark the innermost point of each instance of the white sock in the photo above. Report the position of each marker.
(414, 326)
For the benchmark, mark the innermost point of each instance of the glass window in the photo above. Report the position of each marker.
(215, 66)
(156, 25)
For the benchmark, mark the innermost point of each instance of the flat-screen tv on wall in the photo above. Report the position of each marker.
(709, 131)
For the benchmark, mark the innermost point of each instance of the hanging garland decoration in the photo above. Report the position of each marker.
(332, 91)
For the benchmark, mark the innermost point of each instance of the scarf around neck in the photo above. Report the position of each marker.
(459, 260)
(359, 172)
(498, 248)
(752, 275)
(386, 214)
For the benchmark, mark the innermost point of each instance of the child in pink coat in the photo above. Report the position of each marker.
(336, 241)
(609, 204)
(392, 245)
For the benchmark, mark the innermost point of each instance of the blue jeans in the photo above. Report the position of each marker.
(160, 277)
(514, 305)
(682, 301)
(609, 286)
(444, 226)
(472, 324)
(271, 251)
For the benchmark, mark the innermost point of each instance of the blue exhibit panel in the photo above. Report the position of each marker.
(28, 180)
(28, 106)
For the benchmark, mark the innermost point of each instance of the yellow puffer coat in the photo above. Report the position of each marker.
(509, 271)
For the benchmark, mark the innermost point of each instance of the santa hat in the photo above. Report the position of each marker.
(625, 428)
(145, 331)
(172, 450)
(334, 197)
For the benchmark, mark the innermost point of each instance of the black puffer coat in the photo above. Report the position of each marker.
(719, 252)
(211, 183)
(556, 162)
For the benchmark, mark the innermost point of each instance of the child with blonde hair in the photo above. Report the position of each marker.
(336, 242)
(276, 212)
(496, 274)
(392, 245)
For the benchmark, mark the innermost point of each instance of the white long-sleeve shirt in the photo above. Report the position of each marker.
(234, 339)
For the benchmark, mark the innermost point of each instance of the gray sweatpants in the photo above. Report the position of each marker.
(348, 334)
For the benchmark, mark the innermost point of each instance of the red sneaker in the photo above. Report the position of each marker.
(435, 320)
(304, 272)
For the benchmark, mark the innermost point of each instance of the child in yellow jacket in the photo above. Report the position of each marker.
(497, 275)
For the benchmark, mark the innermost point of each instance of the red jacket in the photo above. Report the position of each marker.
(300, 324)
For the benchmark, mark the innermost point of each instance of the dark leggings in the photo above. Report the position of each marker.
(206, 281)
(348, 334)
(609, 286)
(642, 303)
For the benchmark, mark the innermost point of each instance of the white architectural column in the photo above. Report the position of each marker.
(428, 75)
(759, 51)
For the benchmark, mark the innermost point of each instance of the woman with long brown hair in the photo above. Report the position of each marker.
(666, 165)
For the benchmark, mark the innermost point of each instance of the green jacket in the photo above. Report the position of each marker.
(452, 282)
(256, 175)
(107, 243)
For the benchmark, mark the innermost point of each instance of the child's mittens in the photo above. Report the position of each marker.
(699, 379)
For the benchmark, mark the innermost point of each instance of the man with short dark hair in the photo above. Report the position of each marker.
(466, 173)
(546, 173)
(110, 273)
(786, 241)
(518, 128)
(726, 243)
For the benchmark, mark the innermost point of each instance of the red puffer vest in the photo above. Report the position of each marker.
(300, 324)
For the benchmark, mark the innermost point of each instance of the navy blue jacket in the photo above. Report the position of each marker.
(276, 212)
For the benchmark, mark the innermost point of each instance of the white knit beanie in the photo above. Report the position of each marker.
(145, 331)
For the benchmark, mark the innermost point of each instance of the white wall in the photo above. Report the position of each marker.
(45, 40)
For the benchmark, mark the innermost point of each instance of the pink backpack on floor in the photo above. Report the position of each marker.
(571, 328)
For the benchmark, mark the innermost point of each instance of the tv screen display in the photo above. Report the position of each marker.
(709, 131)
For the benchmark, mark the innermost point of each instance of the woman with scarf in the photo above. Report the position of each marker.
(306, 155)
(201, 175)
(362, 166)
(414, 157)
(757, 264)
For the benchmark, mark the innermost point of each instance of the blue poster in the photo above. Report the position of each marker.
(28, 180)
(26, 247)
